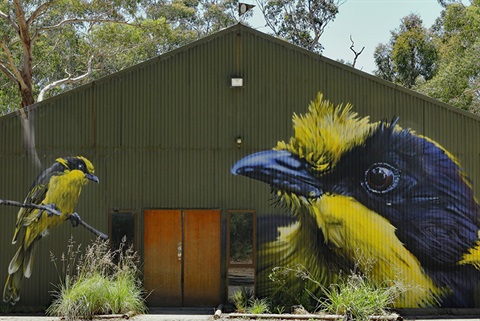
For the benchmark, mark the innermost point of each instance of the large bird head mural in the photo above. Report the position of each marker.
(375, 192)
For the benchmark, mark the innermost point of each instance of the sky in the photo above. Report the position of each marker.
(369, 22)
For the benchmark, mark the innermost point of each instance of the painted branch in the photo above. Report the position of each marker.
(28, 205)
(54, 212)
(92, 229)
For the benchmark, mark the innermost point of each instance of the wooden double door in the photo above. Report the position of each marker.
(182, 257)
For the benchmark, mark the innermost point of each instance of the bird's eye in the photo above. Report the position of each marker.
(381, 178)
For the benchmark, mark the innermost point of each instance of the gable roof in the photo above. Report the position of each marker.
(243, 29)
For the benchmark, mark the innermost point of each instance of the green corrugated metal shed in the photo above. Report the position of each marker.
(161, 134)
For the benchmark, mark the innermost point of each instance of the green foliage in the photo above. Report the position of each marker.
(241, 299)
(241, 237)
(259, 306)
(246, 302)
(457, 81)
(284, 295)
(410, 55)
(357, 298)
(95, 284)
(279, 309)
(354, 296)
(442, 62)
(300, 22)
(195, 18)
(9, 98)
(75, 41)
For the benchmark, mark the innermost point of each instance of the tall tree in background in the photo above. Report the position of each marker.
(442, 62)
(51, 46)
(409, 55)
(457, 39)
(196, 18)
(301, 22)
(48, 30)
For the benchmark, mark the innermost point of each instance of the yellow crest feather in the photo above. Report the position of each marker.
(326, 132)
(62, 161)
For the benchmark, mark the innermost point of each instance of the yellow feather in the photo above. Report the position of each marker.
(356, 232)
(326, 132)
(472, 256)
(63, 191)
(351, 230)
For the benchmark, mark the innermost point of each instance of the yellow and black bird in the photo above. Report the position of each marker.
(370, 192)
(58, 186)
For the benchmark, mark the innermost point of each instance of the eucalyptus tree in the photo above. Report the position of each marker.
(47, 41)
(410, 55)
(49, 46)
(301, 22)
(457, 40)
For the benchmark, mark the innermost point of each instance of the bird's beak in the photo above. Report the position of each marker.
(282, 170)
(92, 178)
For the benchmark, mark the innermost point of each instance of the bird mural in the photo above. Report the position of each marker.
(376, 192)
(59, 187)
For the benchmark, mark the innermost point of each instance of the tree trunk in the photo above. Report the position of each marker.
(27, 96)
(25, 84)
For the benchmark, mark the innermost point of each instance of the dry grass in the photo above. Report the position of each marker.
(102, 281)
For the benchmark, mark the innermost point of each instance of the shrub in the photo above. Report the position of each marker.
(357, 298)
(286, 296)
(354, 295)
(258, 306)
(102, 282)
(241, 299)
(246, 302)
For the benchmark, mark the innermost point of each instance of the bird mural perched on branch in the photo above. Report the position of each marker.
(59, 187)
(375, 192)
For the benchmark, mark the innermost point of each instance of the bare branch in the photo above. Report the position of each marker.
(355, 52)
(39, 31)
(13, 68)
(6, 17)
(67, 80)
(6, 71)
(39, 11)
(78, 20)
(261, 5)
(22, 23)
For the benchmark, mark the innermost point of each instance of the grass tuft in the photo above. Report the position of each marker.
(354, 295)
(241, 299)
(102, 282)
(258, 306)
(357, 298)
(246, 302)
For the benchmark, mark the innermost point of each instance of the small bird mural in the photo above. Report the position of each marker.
(374, 192)
(58, 187)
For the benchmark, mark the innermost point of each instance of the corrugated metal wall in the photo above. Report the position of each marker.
(162, 134)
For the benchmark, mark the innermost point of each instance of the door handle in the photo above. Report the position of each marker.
(179, 251)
